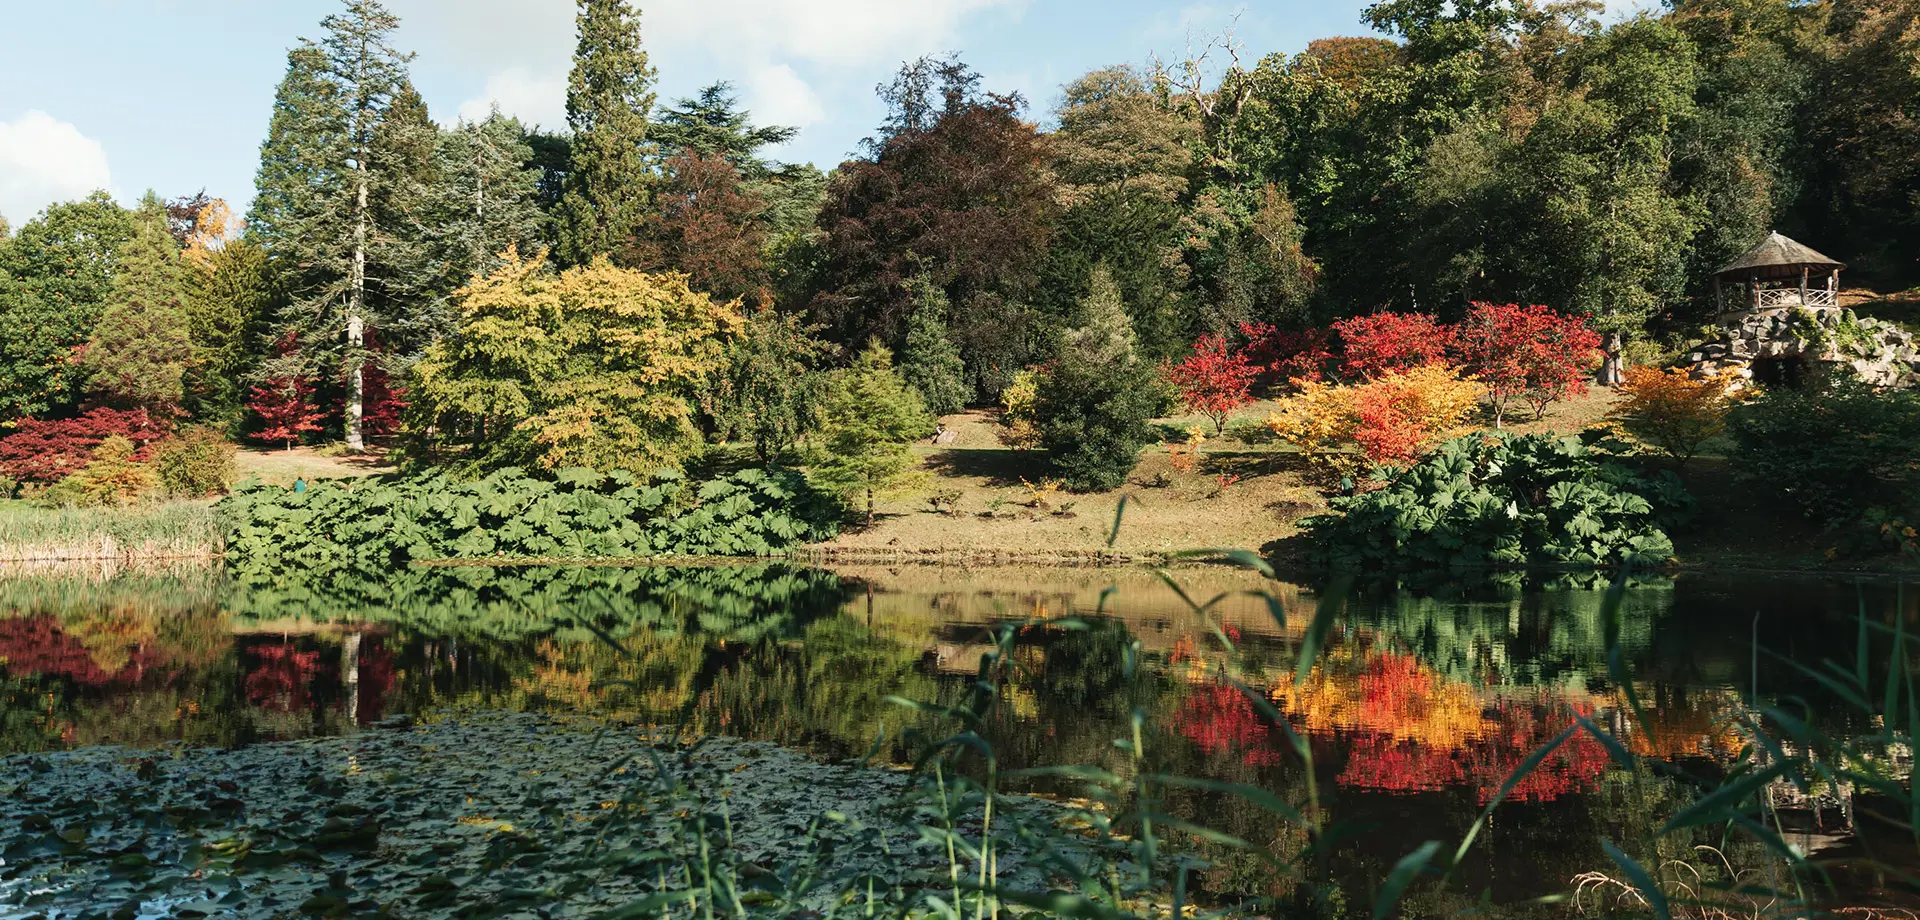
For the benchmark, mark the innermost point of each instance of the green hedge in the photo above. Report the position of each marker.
(565, 514)
(1503, 500)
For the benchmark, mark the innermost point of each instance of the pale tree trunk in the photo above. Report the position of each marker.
(356, 313)
(350, 675)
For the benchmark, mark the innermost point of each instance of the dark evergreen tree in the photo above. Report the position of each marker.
(931, 363)
(332, 170)
(609, 96)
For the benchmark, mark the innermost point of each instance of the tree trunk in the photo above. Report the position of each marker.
(350, 676)
(356, 312)
(1612, 369)
(869, 507)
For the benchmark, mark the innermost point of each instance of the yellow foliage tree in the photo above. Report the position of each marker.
(1019, 428)
(1674, 411)
(1341, 430)
(596, 366)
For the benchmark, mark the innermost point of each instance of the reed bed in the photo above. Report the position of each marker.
(161, 530)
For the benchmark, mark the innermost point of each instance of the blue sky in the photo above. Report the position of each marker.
(174, 95)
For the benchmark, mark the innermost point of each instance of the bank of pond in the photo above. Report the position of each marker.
(768, 739)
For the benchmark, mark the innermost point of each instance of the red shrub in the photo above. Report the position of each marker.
(48, 451)
(1214, 380)
(1386, 342)
(1527, 353)
(1282, 356)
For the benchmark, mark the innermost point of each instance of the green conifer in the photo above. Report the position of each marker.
(873, 418)
(139, 351)
(931, 362)
(334, 194)
(609, 93)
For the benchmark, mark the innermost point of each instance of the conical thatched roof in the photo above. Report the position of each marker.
(1776, 252)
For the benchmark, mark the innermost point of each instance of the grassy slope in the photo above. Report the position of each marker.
(1189, 511)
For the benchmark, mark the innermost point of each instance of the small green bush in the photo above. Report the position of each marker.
(110, 479)
(562, 514)
(196, 462)
(1833, 452)
(1093, 420)
(1499, 500)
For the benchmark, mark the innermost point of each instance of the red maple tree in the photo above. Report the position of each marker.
(285, 403)
(1283, 356)
(1526, 353)
(1214, 380)
(1371, 346)
(50, 450)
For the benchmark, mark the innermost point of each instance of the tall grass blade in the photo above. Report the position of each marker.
(1514, 779)
(1402, 875)
(1649, 890)
(1323, 615)
(1723, 803)
(1119, 514)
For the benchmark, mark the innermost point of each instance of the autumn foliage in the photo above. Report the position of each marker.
(1531, 353)
(1383, 343)
(1340, 429)
(286, 410)
(1214, 380)
(1672, 410)
(51, 450)
(1282, 356)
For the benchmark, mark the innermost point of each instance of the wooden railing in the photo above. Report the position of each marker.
(1790, 297)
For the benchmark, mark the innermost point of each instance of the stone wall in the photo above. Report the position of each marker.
(1829, 340)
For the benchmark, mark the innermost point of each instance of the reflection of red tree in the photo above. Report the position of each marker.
(280, 677)
(1221, 720)
(1522, 727)
(376, 678)
(37, 645)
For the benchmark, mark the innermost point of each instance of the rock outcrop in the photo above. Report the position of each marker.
(1828, 340)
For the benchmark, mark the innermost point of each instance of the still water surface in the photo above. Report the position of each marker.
(1425, 700)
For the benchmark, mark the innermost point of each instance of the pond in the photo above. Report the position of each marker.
(1422, 702)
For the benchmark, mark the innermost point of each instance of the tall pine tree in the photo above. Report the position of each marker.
(486, 198)
(609, 94)
(326, 183)
(139, 351)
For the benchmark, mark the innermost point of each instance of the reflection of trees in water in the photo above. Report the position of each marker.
(1508, 632)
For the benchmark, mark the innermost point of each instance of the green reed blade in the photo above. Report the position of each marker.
(1655, 898)
(1402, 875)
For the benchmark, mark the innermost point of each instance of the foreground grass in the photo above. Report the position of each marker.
(29, 533)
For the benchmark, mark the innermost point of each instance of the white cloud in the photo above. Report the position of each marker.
(535, 98)
(829, 32)
(43, 161)
(777, 96)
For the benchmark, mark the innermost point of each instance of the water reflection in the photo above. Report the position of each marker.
(1421, 706)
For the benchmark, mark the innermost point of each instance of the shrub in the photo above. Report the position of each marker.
(569, 513)
(1285, 356)
(593, 366)
(1092, 420)
(47, 451)
(1401, 414)
(1213, 380)
(112, 478)
(1505, 500)
(1386, 342)
(1673, 411)
(1389, 420)
(1019, 429)
(1832, 452)
(196, 462)
(1529, 353)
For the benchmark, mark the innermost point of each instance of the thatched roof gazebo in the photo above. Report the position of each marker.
(1780, 273)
